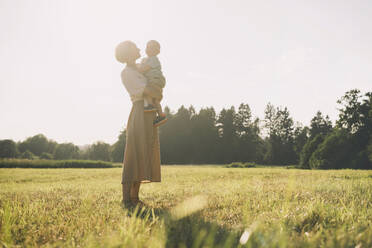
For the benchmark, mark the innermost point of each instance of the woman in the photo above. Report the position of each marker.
(142, 150)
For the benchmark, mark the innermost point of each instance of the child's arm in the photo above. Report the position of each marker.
(148, 64)
(142, 68)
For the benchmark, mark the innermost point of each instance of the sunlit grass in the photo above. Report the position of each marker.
(46, 163)
(193, 206)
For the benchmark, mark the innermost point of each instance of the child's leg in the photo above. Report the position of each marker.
(161, 118)
(147, 101)
(158, 107)
(153, 91)
(148, 105)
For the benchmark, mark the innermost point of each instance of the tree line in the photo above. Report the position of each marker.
(205, 137)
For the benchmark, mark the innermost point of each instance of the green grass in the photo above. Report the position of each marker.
(193, 206)
(241, 165)
(44, 163)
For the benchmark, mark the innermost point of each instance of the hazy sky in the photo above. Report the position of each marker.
(58, 75)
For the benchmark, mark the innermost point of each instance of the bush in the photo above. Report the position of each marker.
(289, 167)
(309, 149)
(99, 151)
(235, 165)
(46, 155)
(8, 149)
(241, 165)
(369, 149)
(333, 152)
(66, 151)
(360, 160)
(28, 155)
(41, 163)
(249, 165)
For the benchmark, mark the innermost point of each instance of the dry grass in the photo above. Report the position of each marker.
(194, 206)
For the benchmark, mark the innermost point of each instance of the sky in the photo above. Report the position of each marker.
(59, 77)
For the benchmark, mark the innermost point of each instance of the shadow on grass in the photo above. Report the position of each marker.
(194, 231)
(189, 231)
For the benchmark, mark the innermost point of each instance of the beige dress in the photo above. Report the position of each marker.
(142, 149)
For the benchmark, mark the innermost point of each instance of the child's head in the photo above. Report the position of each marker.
(152, 48)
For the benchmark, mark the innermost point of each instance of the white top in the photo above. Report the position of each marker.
(153, 62)
(134, 82)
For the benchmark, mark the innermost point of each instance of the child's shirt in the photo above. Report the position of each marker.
(154, 75)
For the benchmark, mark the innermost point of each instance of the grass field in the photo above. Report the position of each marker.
(46, 163)
(193, 206)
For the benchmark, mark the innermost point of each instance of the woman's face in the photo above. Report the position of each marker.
(135, 52)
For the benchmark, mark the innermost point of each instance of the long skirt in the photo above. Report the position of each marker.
(142, 148)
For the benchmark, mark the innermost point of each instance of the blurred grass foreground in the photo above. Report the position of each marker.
(193, 206)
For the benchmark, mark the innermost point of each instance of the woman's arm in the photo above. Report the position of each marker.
(136, 85)
(133, 81)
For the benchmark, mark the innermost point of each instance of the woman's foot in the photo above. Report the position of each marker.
(149, 108)
(137, 201)
(127, 204)
(160, 120)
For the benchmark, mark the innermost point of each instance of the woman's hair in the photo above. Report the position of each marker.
(123, 51)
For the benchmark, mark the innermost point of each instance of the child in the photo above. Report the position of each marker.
(151, 68)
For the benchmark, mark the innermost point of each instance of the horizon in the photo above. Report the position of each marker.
(174, 111)
(60, 77)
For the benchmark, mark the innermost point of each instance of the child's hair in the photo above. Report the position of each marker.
(153, 47)
(153, 43)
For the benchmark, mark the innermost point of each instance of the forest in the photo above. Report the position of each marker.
(235, 135)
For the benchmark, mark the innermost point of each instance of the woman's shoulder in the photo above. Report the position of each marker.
(127, 71)
(130, 72)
